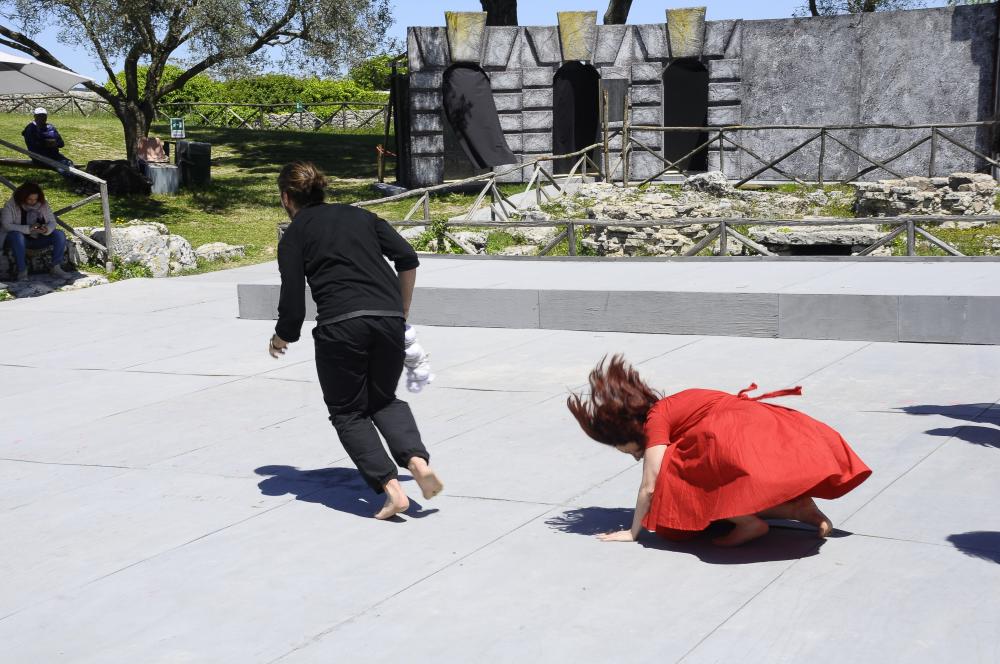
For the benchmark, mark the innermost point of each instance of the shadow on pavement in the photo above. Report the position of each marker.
(786, 540)
(976, 413)
(983, 544)
(341, 489)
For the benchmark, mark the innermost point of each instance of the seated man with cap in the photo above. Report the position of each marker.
(43, 138)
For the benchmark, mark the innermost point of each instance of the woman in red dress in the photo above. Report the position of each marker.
(710, 456)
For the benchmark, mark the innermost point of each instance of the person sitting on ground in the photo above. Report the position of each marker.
(43, 139)
(713, 456)
(27, 222)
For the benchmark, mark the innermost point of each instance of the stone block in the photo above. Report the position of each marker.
(844, 317)
(500, 42)
(943, 319)
(505, 174)
(647, 73)
(510, 122)
(510, 101)
(414, 61)
(425, 101)
(651, 139)
(423, 145)
(538, 77)
(514, 141)
(609, 43)
(730, 164)
(643, 165)
(537, 120)
(722, 116)
(686, 32)
(614, 72)
(466, 35)
(577, 35)
(541, 98)
(426, 171)
(725, 70)
(537, 142)
(433, 46)
(505, 80)
(718, 35)
(735, 47)
(647, 94)
(724, 92)
(647, 115)
(426, 122)
(426, 80)
(652, 40)
(543, 45)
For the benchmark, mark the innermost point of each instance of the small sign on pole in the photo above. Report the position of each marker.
(177, 128)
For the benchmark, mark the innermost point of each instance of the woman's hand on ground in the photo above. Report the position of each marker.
(619, 536)
(276, 346)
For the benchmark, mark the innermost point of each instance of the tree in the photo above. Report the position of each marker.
(500, 12)
(217, 35)
(831, 7)
(375, 73)
(617, 12)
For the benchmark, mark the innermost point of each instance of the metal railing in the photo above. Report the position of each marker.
(101, 195)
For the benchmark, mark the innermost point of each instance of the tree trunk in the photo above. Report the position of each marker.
(617, 13)
(500, 12)
(813, 9)
(136, 117)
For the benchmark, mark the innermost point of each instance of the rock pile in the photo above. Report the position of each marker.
(958, 194)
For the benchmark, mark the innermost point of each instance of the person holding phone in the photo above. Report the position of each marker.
(27, 222)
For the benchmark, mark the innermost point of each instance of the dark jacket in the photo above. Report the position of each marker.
(35, 137)
(340, 250)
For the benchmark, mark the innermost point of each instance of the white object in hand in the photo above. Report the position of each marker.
(417, 362)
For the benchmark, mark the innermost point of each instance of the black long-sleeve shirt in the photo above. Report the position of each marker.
(341, 251)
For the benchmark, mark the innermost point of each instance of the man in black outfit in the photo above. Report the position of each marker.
(362, 306)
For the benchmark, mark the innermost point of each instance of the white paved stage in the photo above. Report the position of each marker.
(169, 493)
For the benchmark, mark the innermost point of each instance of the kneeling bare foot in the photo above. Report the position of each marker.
(745, 528)
(426, 478)
(395, 501)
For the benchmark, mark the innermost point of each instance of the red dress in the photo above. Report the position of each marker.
(730, 455)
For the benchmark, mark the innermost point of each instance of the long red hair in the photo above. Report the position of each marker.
(615, 412)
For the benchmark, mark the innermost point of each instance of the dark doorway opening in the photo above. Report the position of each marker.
(685, 104)
(576, 112)
(471, 115)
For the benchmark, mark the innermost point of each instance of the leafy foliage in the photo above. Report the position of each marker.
(375, 73)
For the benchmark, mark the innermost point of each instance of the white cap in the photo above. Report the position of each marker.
(41, 111)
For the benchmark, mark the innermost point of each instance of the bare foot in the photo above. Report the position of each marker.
(426, 479)
(395, 501)
(746, 528)
(802, 509)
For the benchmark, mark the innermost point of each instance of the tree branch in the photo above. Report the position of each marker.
(813, 9)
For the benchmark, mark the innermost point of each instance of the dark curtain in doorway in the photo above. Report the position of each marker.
(471, 112)
(576, 111)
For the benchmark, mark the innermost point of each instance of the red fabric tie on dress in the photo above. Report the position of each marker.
(788, 392)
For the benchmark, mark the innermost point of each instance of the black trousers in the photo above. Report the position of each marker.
(359, 362)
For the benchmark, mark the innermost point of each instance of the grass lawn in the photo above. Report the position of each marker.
(241, 205)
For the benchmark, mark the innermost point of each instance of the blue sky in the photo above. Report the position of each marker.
(530, 12)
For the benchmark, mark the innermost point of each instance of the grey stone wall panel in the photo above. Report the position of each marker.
(510, 122)
(613, 72)
(540, 98)
(414, 61)
(647, 115)
(427, 145)
(537, 142)
(927, 66)
(784, 82)
(720, 116)
(717, 36)
(433, 45)
(505, 80)
(543, 43)
(725, 70)
(647, 94)
(537, 120)
(735, 47)
(426, 171)
(510, 101)
(724, 92)
(609, 43)
(426, 80)
(426, 122)
(500, 42)
(538, 77)
(653, 41)
(425, 101)
(647, 73)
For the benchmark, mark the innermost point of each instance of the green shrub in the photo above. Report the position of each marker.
(376, 73)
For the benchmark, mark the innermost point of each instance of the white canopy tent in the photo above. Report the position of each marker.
(19, 75)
